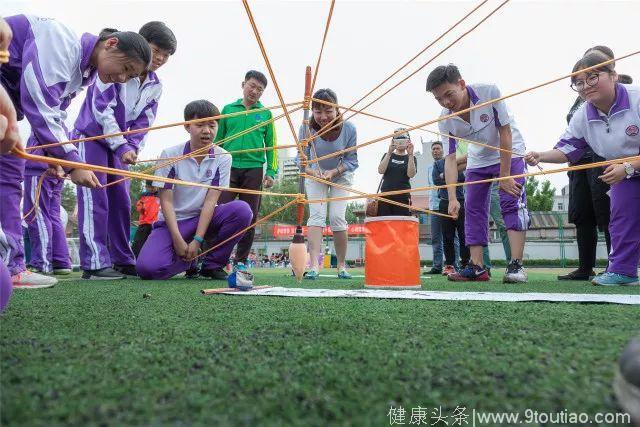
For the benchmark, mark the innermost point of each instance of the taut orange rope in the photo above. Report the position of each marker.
(372, 196)
(268, 64)
(466, 110)
(324, 39)
(207, 148)
(241, 232)
(132, 131)
(322, 132)
(111, 171)
(459, 184)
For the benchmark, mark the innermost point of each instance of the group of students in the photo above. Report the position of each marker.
(48, 65)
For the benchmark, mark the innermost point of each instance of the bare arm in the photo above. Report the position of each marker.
(550, 156)
(451, 174)
(384, 163)
(462, 162)
(206, 214)
(411, 167)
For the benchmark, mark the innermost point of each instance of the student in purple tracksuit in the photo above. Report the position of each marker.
(492, 125)
(189, 214)
(48, 64)
(47, 237)
(9, 138)
(104, 214)
(609, 124)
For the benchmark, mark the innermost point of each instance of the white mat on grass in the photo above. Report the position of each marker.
(440, 295)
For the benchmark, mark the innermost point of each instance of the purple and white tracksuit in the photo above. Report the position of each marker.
(49, 248)
(483, 163)
(48, 64)
(104, 215)
(157, 259)
(613, 136)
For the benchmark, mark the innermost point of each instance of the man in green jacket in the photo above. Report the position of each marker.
(247, 169)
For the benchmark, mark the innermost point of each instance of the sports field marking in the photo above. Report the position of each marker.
(442, 295)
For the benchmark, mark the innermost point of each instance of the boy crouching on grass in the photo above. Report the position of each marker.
(189, 214)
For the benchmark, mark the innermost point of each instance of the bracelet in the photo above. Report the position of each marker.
(198, 239)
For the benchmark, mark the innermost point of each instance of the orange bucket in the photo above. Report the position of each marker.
(392, 259)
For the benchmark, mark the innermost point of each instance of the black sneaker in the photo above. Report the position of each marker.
(627, 381)
(434, 271)
(215, 274)
(192, 273)
(127, 270)
(106, 273)
(578, 275)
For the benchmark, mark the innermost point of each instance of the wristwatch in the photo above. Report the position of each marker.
(628, 169)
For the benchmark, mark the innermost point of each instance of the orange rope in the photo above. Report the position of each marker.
(207, 148)
(132, 131)
(484, 181)
(373, 196)
(241, 232)
(35, 209)
(466, 110)
(416, 56)
(111, 171)
(268, 64)
(324, 39)
(469, 141)
(248, 150)
(424, 65)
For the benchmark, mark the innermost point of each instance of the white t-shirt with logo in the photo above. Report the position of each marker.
(483, 127)
(612, 136)
(215, 169)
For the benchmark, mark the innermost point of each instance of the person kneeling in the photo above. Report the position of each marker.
(189, 214)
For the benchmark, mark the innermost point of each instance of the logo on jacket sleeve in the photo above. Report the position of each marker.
(484, 118)
(209, 173)
(632, 130)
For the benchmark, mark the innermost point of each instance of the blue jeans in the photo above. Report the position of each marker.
(436, 241)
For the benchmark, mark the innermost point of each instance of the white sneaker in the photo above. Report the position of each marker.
(515, 273)
(30, 280)
(62, 271)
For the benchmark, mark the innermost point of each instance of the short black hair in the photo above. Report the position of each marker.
(443, 74)
(131, 44)
(158, 33)
(436, 143)
(200, 109)
(257, 75)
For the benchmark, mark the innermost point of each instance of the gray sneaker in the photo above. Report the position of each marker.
(106, 273)
(627, 381)
(515, 273)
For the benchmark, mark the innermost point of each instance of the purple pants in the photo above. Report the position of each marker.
(158, 260)
(49, 248)
(104, 214)
(477, 204)
(11, 243)
(5, 286)
(624, 227)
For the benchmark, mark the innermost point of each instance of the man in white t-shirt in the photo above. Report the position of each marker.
(491, 125)
(189, 214)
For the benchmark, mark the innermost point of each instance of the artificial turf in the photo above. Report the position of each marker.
(91, 353)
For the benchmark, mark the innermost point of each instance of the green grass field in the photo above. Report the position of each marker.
(90, 353)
